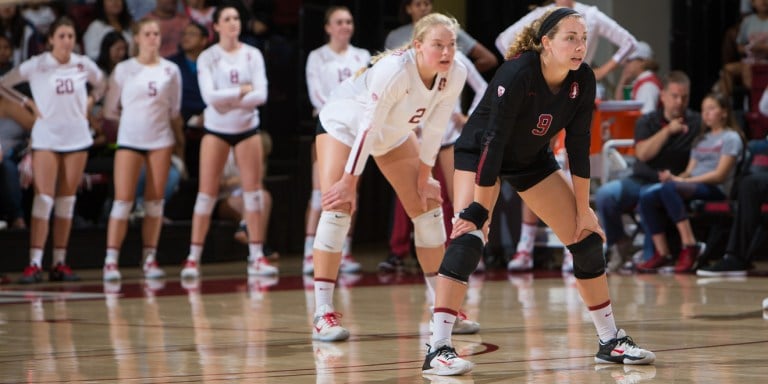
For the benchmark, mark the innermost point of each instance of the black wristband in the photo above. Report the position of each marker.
(475, 213)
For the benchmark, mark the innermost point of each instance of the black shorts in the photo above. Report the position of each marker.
(84, 149)
(520, 177)
(234, 138)
(319, 130)
(142, 152)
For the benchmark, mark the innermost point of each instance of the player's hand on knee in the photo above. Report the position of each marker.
(429, 190)
(587, 221)
(461, 226)
(340, 194)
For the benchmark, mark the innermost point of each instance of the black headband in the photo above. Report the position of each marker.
(553, 19)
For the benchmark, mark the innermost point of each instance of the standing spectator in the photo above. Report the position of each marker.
(543, 87)
(60, 140)
(708, 176)
(639, 75)
(145, 94)
(663, 140)
(171, 23)
(113, 50)
(327, 67)
(111, 15)
(233, 83)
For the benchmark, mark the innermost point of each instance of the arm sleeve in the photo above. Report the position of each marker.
(434, 126)
(112, 98)
(92, 40)
(386, 86)
(19, 73)
(314, 85)
(506, 38)
(501, 122)
(475, 81)
(732, 145)
(175, 93)
(615, 33)
(218, 98)
(96, 79)
(258, 96)
(577, 132)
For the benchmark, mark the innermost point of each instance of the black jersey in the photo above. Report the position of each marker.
(511, 128)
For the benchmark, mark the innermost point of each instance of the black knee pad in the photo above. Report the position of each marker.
(588, 259)
(461, 257)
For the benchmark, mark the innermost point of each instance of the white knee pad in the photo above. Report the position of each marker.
(42, 206)
(204, 204)
(121, 209)
(154, 208)
(332, 230)
(316, 201)
(428, 229)
(64, 207)
(253, 201)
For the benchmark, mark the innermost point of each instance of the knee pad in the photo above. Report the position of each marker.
(64, 207)
(204, 204)
(253, 201)
(154, 208)
(429, 229)
(42, 206)
(461, 257)
(121, 209)
(588, 259)
(332, 230)
(316, 200)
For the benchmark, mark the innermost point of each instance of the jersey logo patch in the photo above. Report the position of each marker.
(374, 96)
(574, 90)
(500, 91)
(441, 84)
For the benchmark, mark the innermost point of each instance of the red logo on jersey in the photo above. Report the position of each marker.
(441, 84)
(574, 90)
(500, 91)
(80, 67)
(374, 96)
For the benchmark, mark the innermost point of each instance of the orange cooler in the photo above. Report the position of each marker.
(614, 119)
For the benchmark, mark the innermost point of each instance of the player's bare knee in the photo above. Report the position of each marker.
(429, 229)
(332, 230)
(462, 256)
(588, 259)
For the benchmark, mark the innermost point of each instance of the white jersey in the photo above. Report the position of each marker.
(478, 85)
(61, 96)
(220, 74)
(598, 24)
(376, 111)
(326, 69)
(149, 96)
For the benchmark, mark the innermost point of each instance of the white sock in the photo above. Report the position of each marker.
(527, 237)
(112, 256)
(195, 251)
(324, 293)
(36, 257)
(602, 317)
(431, 283)
(59, 256)
(346, 249)
(148, 255)
(255, 251)
(309, 242)
(441, 329)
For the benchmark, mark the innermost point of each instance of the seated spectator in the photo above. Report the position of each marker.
(752, 44)
(708, 176)
(111, 15)
(6, 55)
(140, 8)
(113, 49)
(40, 15)
(201, 12)
(15, 124)
(639, 76)
(662, 141)
(18, 31)
(172, 24)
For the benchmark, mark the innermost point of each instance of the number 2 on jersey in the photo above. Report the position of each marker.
(417, 117)
(545, 121)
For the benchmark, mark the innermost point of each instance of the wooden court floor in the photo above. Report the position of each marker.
(228, 328)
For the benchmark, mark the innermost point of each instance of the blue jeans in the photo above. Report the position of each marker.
(10, 187)
(663, 201)
(614, 199)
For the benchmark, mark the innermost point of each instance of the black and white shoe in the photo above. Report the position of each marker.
(623, 350)
(444, 361)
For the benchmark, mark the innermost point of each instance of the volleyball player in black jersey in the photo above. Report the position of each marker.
(542, 88)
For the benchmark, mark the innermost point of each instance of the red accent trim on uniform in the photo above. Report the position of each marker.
(255, 242)
(480, 164)
(323, 280)
(600, 306)
(446, 310)
(359, 150)
(310, 234)
(433, 274)
(199, 244)
(536, 223)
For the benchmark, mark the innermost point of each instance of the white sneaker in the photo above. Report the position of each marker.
(191, 270)
(443, 361)
(308, 267)
(348, 264)
(521, 261)
(260, 267)
(623, 350)
(326, 325)
(152, 270)
(111, 273)
(567, 266)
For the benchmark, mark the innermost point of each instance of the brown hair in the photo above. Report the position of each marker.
(730, 123)
(331, 10)
(136, 29)
(527, 39)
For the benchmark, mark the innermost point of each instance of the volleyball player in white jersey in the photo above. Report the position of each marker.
(145, 94)
(233, 83)
(327, 67)
(60, 140)
(374, 114)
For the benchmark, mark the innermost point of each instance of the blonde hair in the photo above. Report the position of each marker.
(527, 39)
(420, 29)
(136, 29)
